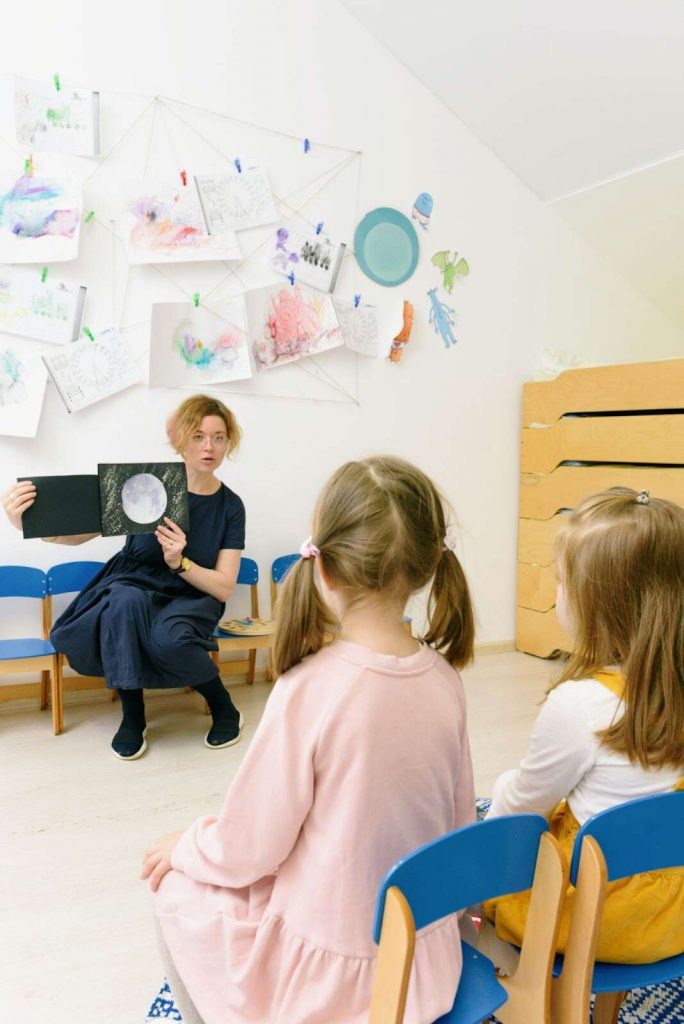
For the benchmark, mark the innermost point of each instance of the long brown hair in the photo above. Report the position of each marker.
(184, 421)
(380, 527)
(621, 562)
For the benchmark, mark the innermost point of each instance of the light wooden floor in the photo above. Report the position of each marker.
(76, 943)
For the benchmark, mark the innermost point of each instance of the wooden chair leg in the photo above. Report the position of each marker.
(57, 695)
(607, 1007)
(44, 681)
(252, 666)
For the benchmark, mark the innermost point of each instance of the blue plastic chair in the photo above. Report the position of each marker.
(481, 861)
(643, 835)
(248, 576)
(29, 653)
(69, 578)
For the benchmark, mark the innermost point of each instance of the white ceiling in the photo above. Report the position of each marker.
(584, 101)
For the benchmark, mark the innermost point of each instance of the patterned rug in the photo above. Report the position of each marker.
(660, 1004)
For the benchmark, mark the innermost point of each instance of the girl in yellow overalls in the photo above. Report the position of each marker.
(612, 727)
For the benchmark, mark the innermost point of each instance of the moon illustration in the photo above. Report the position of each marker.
(143, 497)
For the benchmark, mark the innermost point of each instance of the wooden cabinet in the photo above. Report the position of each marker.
(583, 432)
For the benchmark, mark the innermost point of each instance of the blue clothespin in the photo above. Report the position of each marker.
(307, 145)
(237, 163)
(357, 299)
(319, 227)
(291, 277)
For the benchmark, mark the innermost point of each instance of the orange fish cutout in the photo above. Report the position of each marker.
(402, 338)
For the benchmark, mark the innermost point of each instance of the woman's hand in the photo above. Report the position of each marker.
(173, 541)
(157, 860)
(16, 499)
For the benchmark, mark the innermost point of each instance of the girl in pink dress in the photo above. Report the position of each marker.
(265, 912)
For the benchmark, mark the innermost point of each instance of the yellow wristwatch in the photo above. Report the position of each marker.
(185, 564)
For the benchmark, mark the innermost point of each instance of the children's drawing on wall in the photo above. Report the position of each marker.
(193, 346)
(40, 217)
(422, 209)
(22, 388)
(46, 309)
(404, 336)
(235, 200)
(86, 371)
(442, 318)
(289, 323)
(65, 120)
(359, 326)
(452, 267)
(163, 223)
(311, 256)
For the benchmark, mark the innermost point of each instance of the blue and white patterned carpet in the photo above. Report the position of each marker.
(660, 1004)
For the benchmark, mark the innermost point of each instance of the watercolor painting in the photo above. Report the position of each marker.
(87, 371)
(289, 323)
(442, 318)
(135, 496)
(193, 346)
(359, 326)
(40, 218)
(49, 310)
(312, 257)
(22, 388)
(65, 120)
(163, 223)
(422, 209)
(452, 267)
(402, 339)
(235, 200)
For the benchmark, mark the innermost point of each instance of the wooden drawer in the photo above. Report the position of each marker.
(540, 633)
(654, 439)
(544, 494)
(537, 586)
(536, 538)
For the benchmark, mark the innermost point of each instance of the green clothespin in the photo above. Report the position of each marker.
(44, 274)
(28, 166)
(58, 85)
(89, 334)
(89, 217)
(195, 298)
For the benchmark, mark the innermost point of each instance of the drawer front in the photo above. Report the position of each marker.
(542, 495)
(540, 633)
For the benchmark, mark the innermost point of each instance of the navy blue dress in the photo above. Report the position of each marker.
(136, 623)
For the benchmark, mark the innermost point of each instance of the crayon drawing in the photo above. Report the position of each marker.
(40, 218)
(192, 346)
(163, 223)
(49, 310)
(235, 200)
(86, 371)
(289, 323)
(22, 387)
(359, 326)
(313, 258)
(66, 121)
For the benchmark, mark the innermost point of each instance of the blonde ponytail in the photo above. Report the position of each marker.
(302, 618)
(451, 627)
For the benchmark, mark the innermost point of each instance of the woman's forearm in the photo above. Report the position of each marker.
(209, 581)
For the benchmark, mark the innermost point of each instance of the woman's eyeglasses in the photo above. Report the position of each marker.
(215, 440)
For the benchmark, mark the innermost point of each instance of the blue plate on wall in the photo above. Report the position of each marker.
(386, 246)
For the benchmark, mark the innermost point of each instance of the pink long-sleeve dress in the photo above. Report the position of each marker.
(358, 759)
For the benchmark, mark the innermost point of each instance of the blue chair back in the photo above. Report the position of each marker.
(480, 861)
(22, 581)
(642, 835)
(68, 577)
(248, 572)
(281, 566)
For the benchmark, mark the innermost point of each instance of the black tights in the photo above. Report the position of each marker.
(214, 692)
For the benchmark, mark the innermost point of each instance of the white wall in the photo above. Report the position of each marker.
(307, 67)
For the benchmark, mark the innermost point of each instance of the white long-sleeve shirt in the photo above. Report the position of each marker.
(565, 759)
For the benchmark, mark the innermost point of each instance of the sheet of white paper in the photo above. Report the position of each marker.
(87, 371)
(66, 121)
(359, 326)
(193, 346)
(288, 323)
(40, 216)
(22, 388)
(163, 223)
(314, 260)
(49, 310)
(235, 200)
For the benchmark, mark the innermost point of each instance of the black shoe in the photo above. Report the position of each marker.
(129, 742)
(225, 730)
